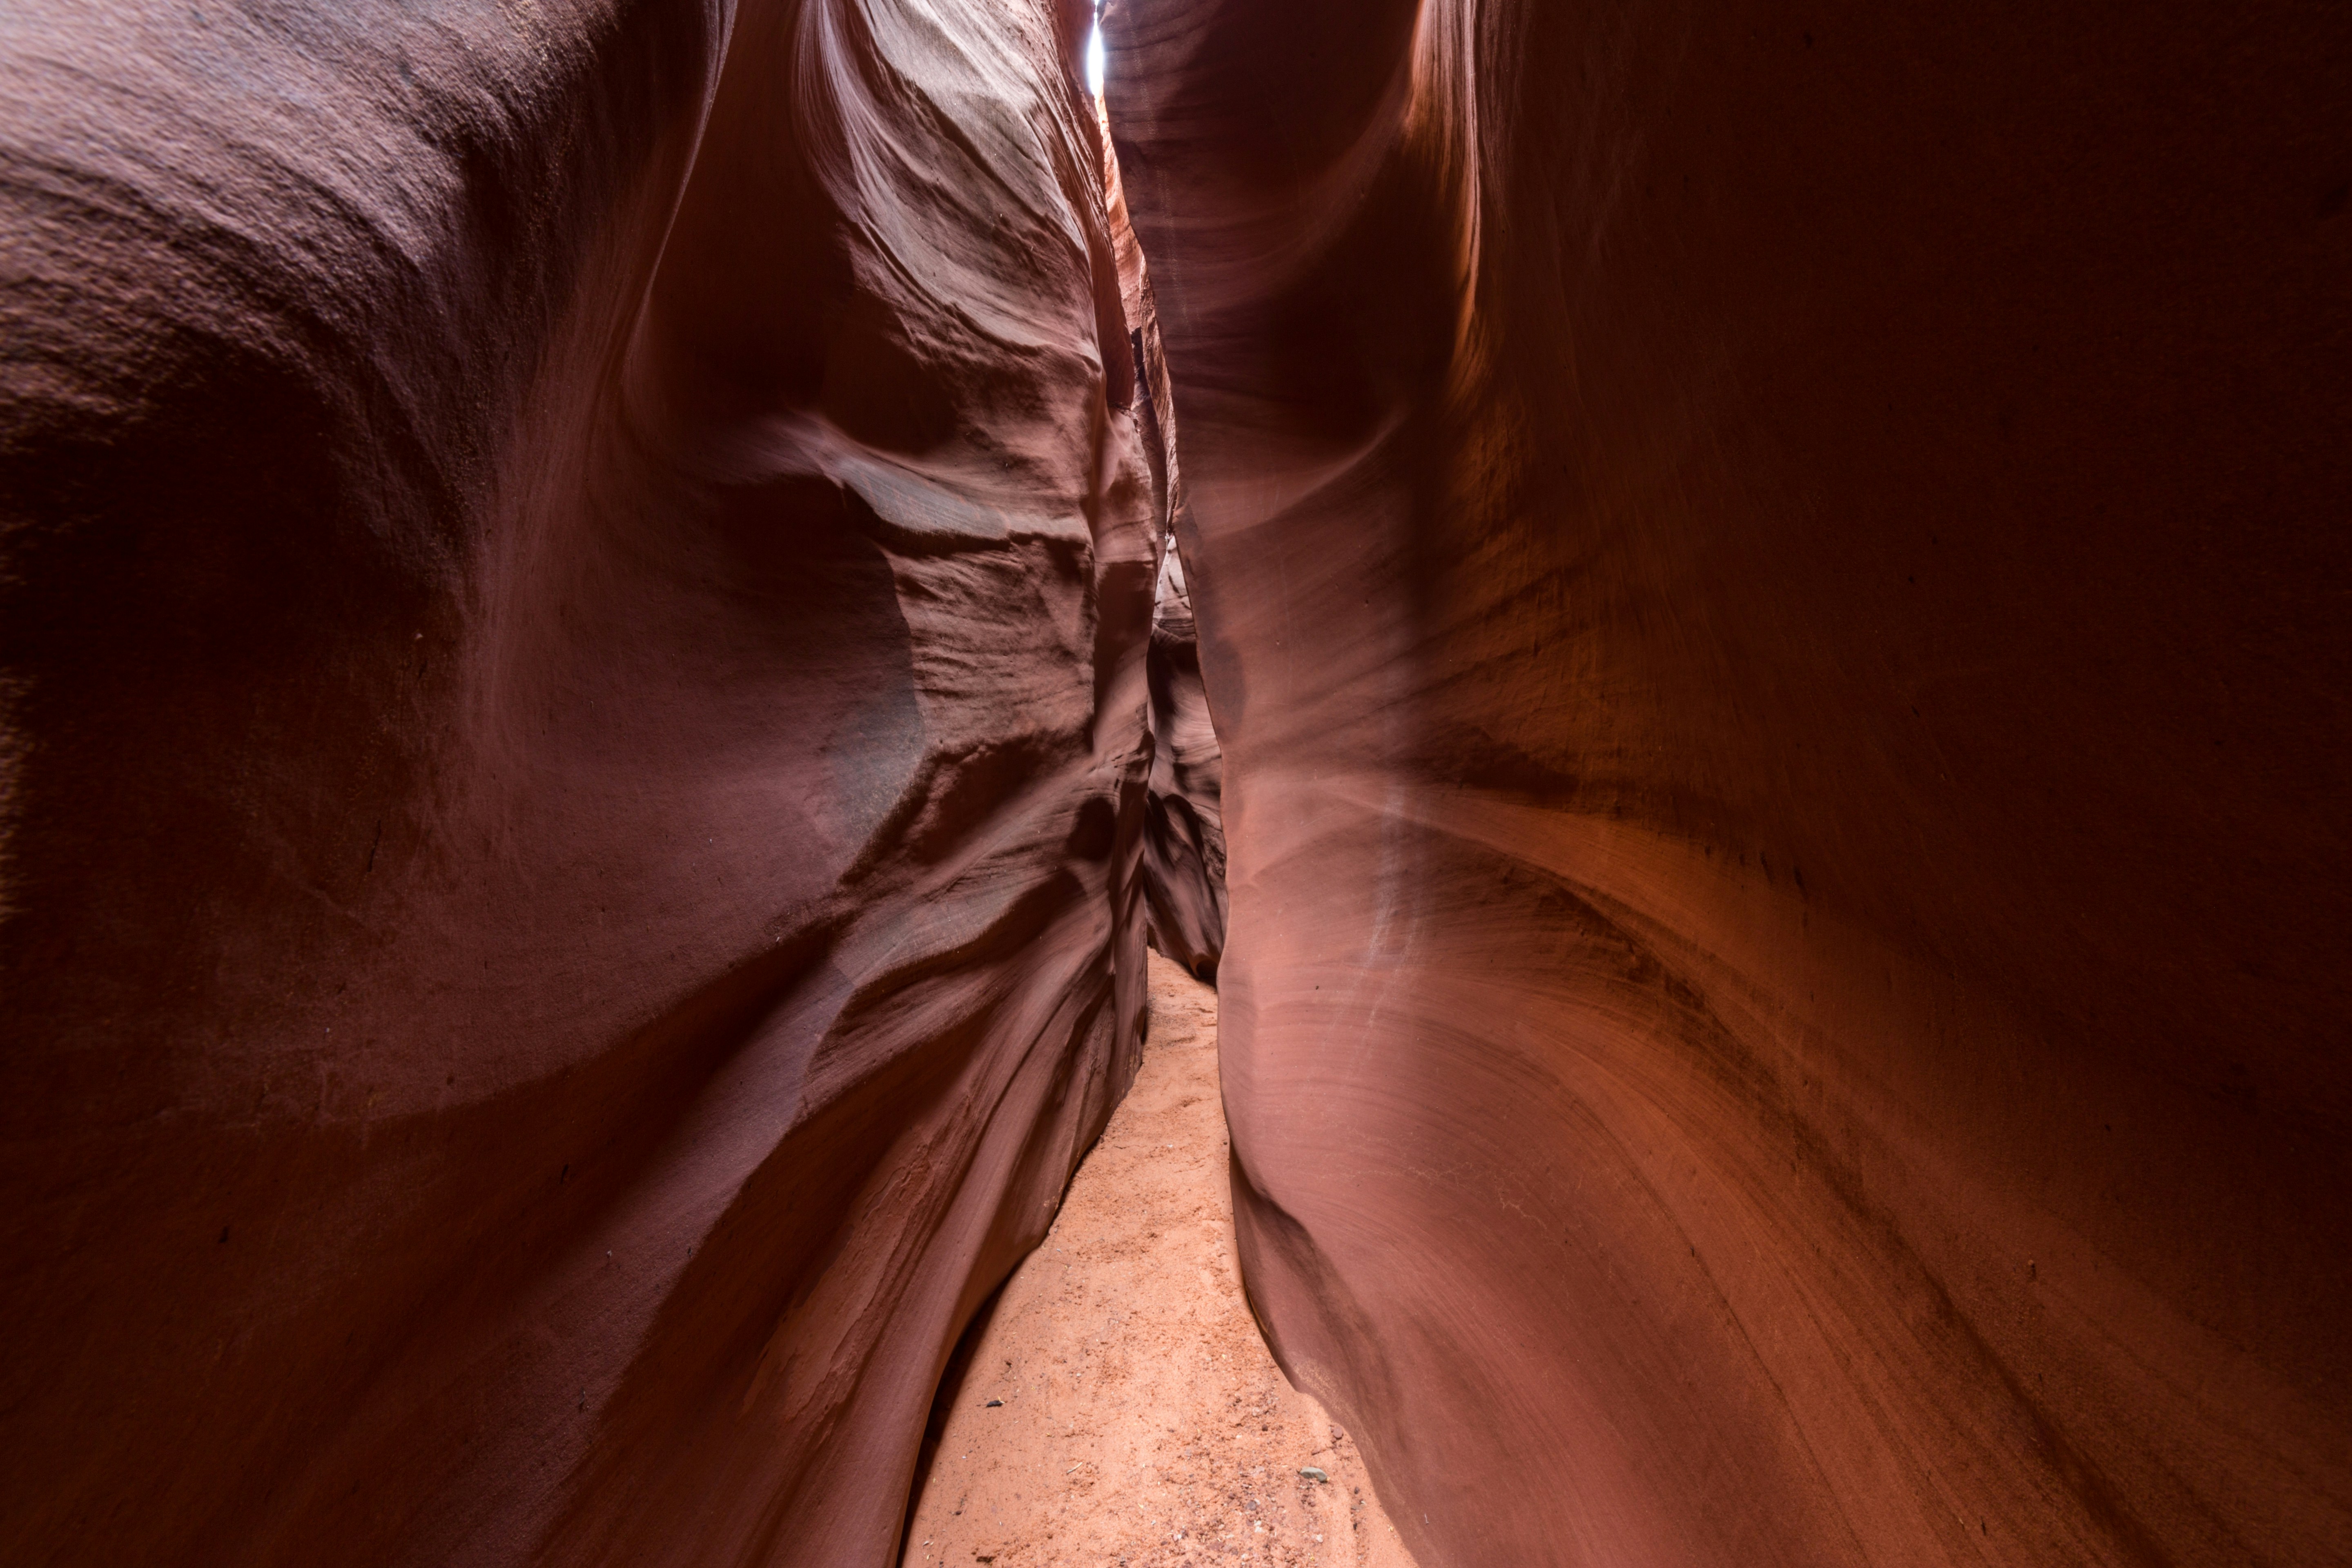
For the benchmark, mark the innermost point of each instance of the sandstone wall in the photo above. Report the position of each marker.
(575, 588)
(1183, 830)
(1772, 583)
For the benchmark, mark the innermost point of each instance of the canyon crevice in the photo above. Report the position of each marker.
(1724, 629)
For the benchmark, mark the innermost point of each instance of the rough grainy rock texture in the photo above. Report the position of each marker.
(574, 613)
(1774, 590)
(1116, 1404)
(1184, 829)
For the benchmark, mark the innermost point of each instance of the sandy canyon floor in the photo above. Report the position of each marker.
(1119, 1405)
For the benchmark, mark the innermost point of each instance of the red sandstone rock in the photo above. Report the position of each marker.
(1183, 832)
(574, 604)
(1773, 590)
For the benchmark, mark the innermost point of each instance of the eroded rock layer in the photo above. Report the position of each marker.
(574, 608)
(1772, 587)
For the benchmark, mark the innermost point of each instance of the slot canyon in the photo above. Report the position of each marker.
(651, 650)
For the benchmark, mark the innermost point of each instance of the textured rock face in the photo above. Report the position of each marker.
(1772, 588)
(574, 611)
(1183, 830)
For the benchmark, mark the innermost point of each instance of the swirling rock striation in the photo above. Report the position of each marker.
(1772, 589)
(576, 587)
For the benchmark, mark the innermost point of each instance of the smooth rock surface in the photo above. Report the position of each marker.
(1773, 588)
(571, 631)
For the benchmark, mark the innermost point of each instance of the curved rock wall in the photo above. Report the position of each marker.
(573, 615)
(1185, 830)
(1772, 586)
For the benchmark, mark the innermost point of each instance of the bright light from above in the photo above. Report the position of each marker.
(1095, 58)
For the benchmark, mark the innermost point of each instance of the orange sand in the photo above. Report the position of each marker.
(1143, 1421)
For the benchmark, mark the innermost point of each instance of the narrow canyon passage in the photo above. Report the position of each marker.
(1722, 627)
(1118, 1405)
